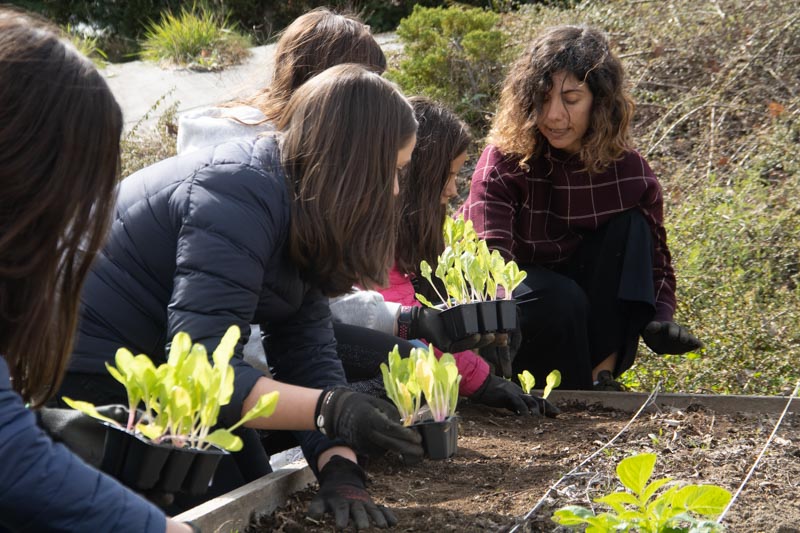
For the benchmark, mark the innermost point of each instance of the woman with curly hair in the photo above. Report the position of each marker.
(561, 190)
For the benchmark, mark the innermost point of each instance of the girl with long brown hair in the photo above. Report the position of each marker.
(561, 190)
(428, 185)
(262, 231)
(59, 159)
(312, 43)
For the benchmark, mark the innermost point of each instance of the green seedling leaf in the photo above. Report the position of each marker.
(651, 489)
(151, 431)
(263, 408)
(553, 380)
(705, 500)
(572, 515)
(618, 501)
(424, 301)
(222, 438)
(527, 381)
(181, 344)
(224, 352)
(89, 409)
(635, 471)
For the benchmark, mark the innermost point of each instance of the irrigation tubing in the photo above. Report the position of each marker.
(650, 399)
(760, 455)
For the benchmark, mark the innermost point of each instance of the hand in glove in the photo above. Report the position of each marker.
(501, 353)
(343, 492)
(369, 424)
(82, 434)
(498, 392)
(425, 323)
(669, 338)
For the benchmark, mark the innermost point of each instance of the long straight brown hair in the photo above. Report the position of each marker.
(312, 43)
(441, 137)
(59, 159)
(341, 133)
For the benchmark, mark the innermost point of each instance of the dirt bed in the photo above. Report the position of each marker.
(505, 464)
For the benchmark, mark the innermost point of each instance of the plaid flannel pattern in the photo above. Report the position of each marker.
(538, 215)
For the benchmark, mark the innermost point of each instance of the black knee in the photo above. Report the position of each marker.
(561, 303)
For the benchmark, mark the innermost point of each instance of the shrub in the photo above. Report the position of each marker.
(196, 38)
(143, 146)
(454, 55)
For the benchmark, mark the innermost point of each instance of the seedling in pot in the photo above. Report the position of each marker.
(400, 382)
(407, 380)
(181, 398)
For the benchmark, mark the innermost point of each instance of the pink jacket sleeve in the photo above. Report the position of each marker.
(473, 369)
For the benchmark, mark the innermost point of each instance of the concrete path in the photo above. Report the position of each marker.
(139, 85)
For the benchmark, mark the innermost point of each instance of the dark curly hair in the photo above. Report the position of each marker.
(583, 52)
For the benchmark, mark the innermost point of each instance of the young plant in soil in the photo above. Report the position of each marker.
(182, 397)
(527, 382)
(640, 509)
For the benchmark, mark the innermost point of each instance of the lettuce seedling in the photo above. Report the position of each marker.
(467, 269)
(638, 508)
(401, 386)
(181, 398)
(438, 379)
(527, 381)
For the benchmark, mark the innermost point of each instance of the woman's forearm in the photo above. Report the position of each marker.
(295, 409)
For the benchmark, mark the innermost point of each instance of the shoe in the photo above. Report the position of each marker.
(606, 382)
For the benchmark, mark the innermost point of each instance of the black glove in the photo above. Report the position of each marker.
(343, 492)
(669, 338)
(369, 424)
(501, 353)
(425, 323)
(499, 392)
(82, 434)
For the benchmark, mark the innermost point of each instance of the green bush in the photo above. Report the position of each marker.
(196, 38)
(454, 55)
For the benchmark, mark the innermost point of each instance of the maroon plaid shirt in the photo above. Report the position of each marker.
(537, 216)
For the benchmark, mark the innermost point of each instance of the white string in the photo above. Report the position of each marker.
(530, 513)
(760, 455)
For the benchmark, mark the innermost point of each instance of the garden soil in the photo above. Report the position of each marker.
(505, 464)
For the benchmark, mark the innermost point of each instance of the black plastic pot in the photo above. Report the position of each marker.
(461, 320)
(175, 470)
(202, 470)
(142, 465)
(506, 314)
(134, 461)
(487, 316)
(439, 439)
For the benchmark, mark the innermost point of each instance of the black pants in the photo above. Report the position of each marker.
(577, 313)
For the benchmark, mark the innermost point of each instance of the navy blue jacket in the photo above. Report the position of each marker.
(44, 487)
(200, 242)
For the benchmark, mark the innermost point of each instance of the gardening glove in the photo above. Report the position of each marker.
(669, 338)
(82, 434)
(343, 492)
(499, 392)
(501, 353)
(425, 323)
(369, 424)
